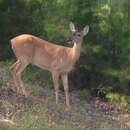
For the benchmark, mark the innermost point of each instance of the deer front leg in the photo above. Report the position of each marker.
(66, 88)
(55, 77)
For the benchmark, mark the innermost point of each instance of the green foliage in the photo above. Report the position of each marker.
(33, 74)
(85, 94)
(105, 55)
(34, 121)
(118, 99)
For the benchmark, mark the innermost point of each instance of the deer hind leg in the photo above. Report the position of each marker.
(13, 70)
(66, 88)
(55, 77)
(20, 69)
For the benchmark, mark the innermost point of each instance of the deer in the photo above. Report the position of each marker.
(57, 59)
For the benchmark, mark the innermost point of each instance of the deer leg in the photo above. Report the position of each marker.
(13, 70)
(13, 66)
(55, 77)
(66, 88)
(18, 76)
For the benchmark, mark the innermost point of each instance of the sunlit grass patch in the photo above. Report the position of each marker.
(6, 126)
(118, 99)
(39, 118)
(34, 119)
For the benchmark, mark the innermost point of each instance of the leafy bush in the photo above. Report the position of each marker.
(118, 99)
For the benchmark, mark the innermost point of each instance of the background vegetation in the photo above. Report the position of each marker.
(103, 69)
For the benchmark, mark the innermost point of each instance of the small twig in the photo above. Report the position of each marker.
(8, 121)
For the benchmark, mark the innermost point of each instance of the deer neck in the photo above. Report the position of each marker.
(76, 51)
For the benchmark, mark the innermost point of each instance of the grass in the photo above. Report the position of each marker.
(85, 94)
(39, 111)
(34, 119)
(37, 74)
(29, 114)
(118, 99)
(37, 118)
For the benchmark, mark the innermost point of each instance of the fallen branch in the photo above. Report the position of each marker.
(8, 121)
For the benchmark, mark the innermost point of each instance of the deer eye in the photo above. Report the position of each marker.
(79, 35)
(74, 34)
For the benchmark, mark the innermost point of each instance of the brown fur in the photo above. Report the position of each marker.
(59, 60)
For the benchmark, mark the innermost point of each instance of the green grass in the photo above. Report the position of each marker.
(36, 118)
(33, 74)
(39, 111)
(118, 99)
(30, 114)
(4, 126)
(85, 94)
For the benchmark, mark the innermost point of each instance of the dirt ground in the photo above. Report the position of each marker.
(85, 115)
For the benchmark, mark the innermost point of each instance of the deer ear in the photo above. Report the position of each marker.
(72, 27)
(85, 30)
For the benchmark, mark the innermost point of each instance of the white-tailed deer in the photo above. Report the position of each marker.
(59, 60)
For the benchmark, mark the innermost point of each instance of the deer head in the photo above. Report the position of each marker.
(77, 36)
